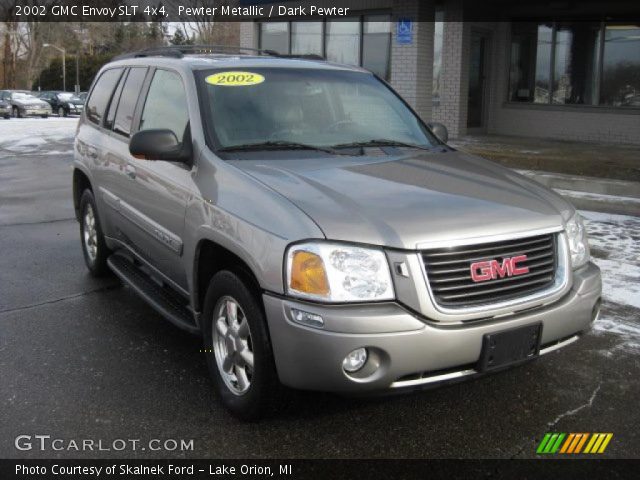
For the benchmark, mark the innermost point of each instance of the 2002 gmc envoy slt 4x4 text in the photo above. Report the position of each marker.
(302, 218)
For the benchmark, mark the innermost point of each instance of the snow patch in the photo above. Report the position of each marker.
(598, 197)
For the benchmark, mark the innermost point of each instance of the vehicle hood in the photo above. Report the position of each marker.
(36, 102)
(408, 200)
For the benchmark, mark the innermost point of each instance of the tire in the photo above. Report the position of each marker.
(7, 116)
(62, 112)
(45, 116)
(260, 396)
(94, 248)
(16, 112)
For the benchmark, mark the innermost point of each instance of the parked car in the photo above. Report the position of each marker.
(5, 107)
(303, 220)
(25, 104)
(83, 96)
(63, 103)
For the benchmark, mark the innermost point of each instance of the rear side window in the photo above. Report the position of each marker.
(166, 104)
(101, 94)
(128, 100)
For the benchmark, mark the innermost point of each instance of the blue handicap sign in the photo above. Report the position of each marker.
(404, 31)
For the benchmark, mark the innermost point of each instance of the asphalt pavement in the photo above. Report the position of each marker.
(87, 359)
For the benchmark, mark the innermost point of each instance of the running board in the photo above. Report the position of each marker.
(170, 305)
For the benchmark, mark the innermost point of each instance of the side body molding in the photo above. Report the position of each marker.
(166, 237)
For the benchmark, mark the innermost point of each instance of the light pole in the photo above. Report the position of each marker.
(64, 68)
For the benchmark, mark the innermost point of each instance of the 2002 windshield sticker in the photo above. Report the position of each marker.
(234, 79)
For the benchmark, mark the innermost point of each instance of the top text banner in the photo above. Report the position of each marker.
(170, 10)
(311, 10)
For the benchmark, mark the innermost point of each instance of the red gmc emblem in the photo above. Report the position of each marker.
(492, 269)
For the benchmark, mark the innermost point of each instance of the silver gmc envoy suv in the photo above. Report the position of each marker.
(317, 234)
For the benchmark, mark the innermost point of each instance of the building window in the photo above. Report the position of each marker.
(530, 76)
(306, 38)
(438, 32)
(621, 66)
(343, 41)
(275, 36)
(578, 63)
(575, 71)
(360, 40)
(376, 44)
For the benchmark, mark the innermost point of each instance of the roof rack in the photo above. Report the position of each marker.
(179, 51)
(302, 56)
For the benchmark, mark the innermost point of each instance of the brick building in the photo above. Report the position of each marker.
(486, 66)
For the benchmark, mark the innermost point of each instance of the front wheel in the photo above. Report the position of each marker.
(238, 349)
(16, 112)
(94, 248)
(62, 112)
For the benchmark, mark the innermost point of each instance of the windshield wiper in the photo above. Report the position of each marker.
(276, 145)
(381, 142)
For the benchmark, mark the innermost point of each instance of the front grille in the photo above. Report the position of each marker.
(449, 271)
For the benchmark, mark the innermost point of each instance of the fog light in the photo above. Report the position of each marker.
(307, 318)
(355, 360)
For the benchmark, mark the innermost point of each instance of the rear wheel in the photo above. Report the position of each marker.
(94, 248)
(238, 349)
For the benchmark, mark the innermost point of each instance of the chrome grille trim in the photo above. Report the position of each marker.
(459, 314)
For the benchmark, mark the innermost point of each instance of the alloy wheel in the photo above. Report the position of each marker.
(232, 345)
(90, 234)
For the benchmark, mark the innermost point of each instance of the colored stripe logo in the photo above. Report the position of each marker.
(574, 443)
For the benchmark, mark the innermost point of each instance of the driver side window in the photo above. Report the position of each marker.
(166, 104)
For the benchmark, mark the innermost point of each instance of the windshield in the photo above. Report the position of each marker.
(22, 96)
(319, 108)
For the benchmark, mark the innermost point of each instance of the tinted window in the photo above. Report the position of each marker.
(576, 63)
(113, 103)
(621, 66)
(166, 104)
(128, 100)
(101, 94)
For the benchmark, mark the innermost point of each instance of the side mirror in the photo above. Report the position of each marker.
(440, 131)
(159, 144)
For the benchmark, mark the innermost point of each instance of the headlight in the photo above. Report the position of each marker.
(578, 241)
(334, 272)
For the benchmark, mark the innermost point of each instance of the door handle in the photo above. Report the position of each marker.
(130, 171)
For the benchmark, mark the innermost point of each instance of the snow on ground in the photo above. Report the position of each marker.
(615, 248)
(599, 197)
(29, 135)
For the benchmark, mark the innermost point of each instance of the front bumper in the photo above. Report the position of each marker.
(36, 112)
(407, 351)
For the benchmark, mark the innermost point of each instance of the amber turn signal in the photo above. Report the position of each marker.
(308, 274)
